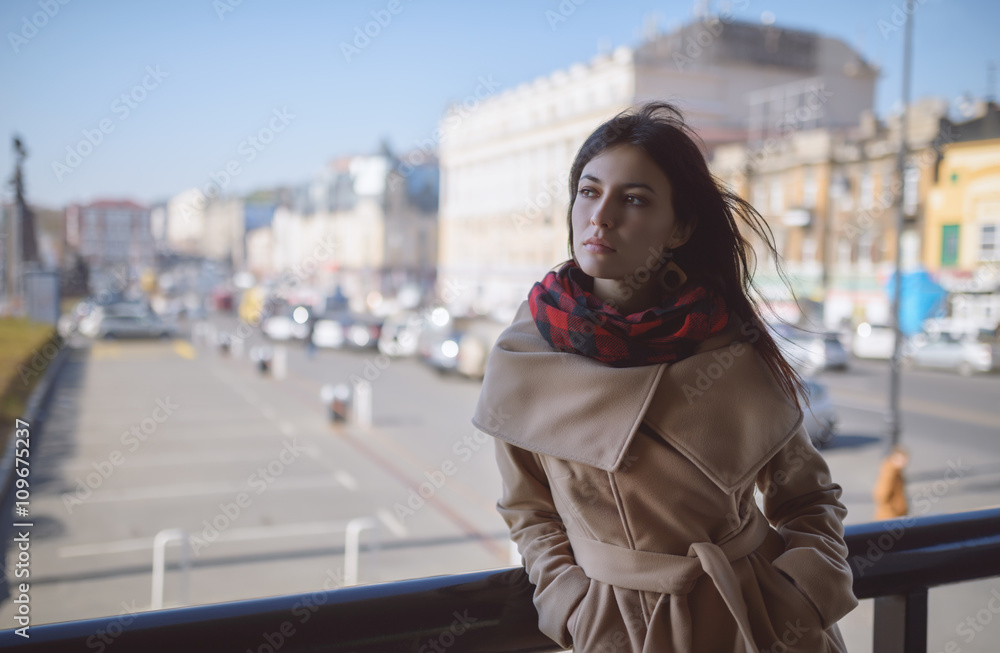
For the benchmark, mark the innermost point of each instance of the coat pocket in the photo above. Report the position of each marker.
(796, 624)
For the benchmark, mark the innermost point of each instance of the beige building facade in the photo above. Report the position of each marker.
(505, 165)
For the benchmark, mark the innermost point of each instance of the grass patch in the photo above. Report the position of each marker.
(26, 349)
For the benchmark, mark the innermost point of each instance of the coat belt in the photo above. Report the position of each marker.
(666, 573)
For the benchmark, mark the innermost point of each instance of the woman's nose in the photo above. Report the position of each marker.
(602, 217)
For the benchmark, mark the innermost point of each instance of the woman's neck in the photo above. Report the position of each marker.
(627, 298)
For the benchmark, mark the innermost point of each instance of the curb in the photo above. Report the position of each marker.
(32, 411)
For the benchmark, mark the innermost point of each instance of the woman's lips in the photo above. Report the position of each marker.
(597, 248)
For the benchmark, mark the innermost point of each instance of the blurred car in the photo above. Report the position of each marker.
(400, 333)
(811, 352)
(459, 344)
(820, 415)
(90, 324)
(287, 324)
(148, 325)
(873, 341)
(346, 329)
(949, 352)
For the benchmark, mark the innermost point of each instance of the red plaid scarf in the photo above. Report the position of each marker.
(572, 319)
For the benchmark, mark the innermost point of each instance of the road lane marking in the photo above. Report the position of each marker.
(204, 489)
(926, 407)
(184, 349)
(391, 522)
(346, 480)
(228, 535)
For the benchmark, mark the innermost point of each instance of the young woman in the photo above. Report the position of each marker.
(637, 400)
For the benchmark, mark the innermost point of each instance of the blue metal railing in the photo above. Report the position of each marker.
(894, 562)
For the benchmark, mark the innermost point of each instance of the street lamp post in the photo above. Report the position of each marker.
(894, 414)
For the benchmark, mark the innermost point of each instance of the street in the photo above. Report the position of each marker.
(145, 436)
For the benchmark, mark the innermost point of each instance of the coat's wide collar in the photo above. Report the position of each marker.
(721, 407)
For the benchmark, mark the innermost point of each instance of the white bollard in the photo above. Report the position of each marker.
(363, 403)
(160, 542)
(280, 362)
(352, 545)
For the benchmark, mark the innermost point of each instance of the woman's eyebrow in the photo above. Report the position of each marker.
(627, 184)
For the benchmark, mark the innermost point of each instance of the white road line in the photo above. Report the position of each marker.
(346, 480)
(187, 458)
(202, 489)
(229, 535)
(287, 428)
(391, 522)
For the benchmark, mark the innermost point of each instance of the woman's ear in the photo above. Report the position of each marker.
(682, 233)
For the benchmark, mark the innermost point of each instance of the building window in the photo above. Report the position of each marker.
(777, 196)
(949, 244)
(911, 187)
(989, 244)
(867, 191)
(809, 189)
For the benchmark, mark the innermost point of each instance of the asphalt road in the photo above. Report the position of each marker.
(148, 436)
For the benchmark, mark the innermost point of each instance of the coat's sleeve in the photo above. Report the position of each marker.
(537, 529)
(803, 504)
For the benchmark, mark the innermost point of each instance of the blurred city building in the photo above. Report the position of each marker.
(505, 160)
(366, 225)
(113, 238)
(962, 235)
(829, 195)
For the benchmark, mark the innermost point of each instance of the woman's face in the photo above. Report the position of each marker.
(623, 216)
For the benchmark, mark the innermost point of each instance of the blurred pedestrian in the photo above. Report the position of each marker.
(890, 488)
(638, 400)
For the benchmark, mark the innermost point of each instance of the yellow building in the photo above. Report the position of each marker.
(962, 234)
(963, 216)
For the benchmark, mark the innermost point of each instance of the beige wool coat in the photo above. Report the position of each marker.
(630, 495)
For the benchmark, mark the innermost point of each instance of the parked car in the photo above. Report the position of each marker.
(346, 329)
(460, 344)
(400, 333)
(148, 325)
(287, 323)
(873, 341)
(820, 415)
(949, 352)
(811, 352)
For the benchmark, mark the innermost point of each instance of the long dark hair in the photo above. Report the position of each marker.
(716, 251)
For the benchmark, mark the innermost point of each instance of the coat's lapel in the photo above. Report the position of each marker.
(726, 419)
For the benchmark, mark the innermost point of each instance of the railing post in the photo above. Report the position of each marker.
(160, 542)
(352, 546)
(901, 622)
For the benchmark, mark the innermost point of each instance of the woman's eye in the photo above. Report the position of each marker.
(635, 199)
(586, 192)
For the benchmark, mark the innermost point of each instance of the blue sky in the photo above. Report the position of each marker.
(221, 76)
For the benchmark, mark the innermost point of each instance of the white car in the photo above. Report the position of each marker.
(873, 341)
(962, 355)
